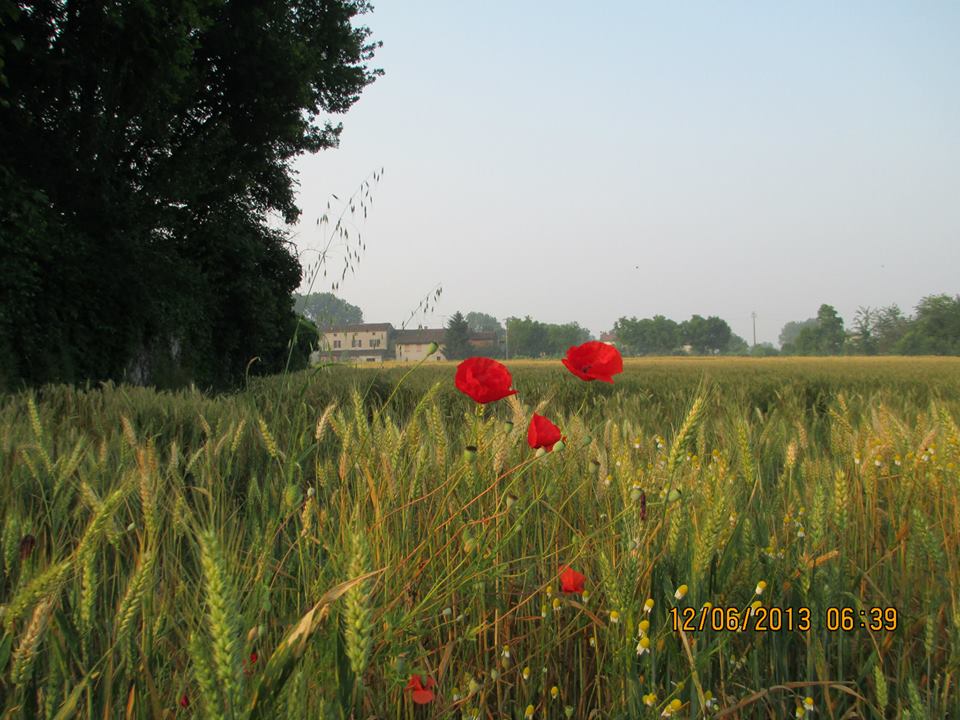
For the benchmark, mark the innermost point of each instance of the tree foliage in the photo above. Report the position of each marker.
(456, 340)
(658, 335)
(143, 147)
(825, 337)
(481, 322)
(706, 336)
(327, 310)
(791, 331)
(935, 329)
(531, 338)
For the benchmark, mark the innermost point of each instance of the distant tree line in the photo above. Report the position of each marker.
(660, 335)
(526, 337)
(933, 329)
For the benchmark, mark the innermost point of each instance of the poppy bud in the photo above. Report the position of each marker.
(508, 425)
(673, 496)
(559, 445)
(27, 543)
(470, 453)
(432, 348)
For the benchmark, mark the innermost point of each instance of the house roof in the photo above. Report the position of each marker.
(361, 327)
(418, 337)
(483, 335)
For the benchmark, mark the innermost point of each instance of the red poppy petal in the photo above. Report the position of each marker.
(594, 361)
(483, 379)
(422, 697)
(571, 581)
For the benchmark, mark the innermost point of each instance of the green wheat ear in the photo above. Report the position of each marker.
(26, 653)
(223, 617)
(688, 429)
(357, 618)
(205, 678)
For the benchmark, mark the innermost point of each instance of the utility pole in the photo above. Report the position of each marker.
(754, 316)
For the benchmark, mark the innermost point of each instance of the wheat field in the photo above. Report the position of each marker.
(323, 544)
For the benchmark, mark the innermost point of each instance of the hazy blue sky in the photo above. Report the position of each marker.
(586, 161)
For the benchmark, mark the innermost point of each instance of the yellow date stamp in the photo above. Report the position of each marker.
(786, 619)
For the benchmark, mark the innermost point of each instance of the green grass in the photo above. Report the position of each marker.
(350, 542)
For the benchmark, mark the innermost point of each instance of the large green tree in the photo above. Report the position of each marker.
(482, 322)
(143, 147)
(706, 335)
(791, 331)
(527, 337)
(564, 335)
(327, 310)
(935, 329)
(826, 337)
(658, 335)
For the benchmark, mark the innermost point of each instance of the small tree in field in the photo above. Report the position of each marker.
(457, 342)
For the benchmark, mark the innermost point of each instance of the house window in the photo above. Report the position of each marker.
(336, 343)
(375, 343)
(356, 342)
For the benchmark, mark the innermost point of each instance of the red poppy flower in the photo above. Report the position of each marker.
(542, 433)
(422, 694)
(594, 360)
(570, 580)
(483, 379)
(248, 665)
(184, 701)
